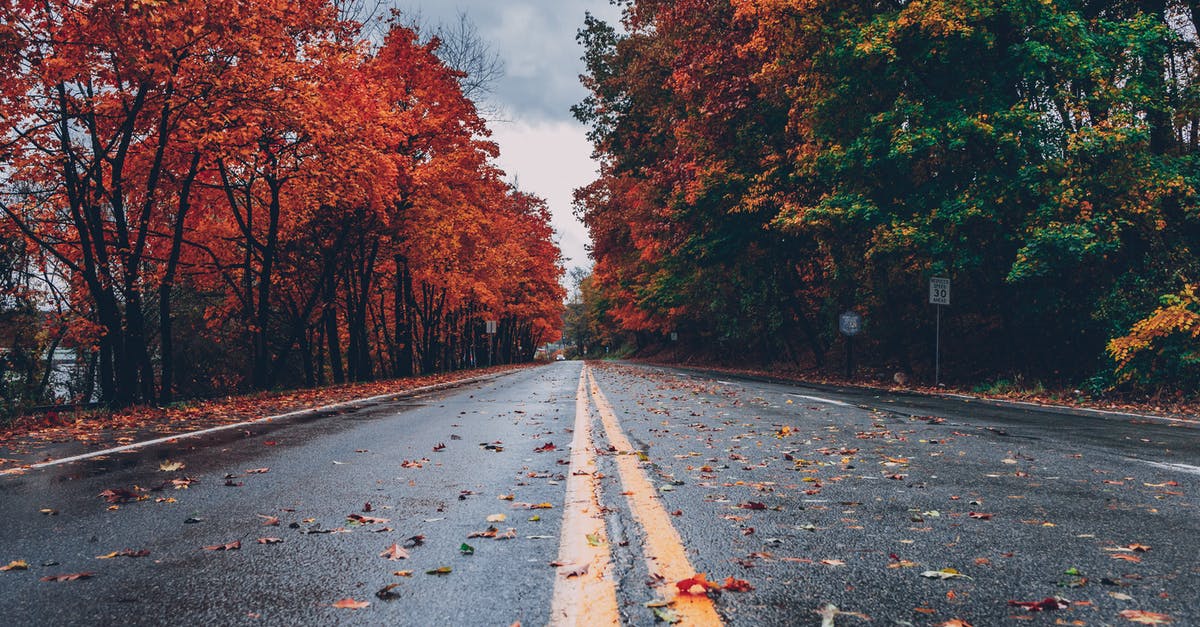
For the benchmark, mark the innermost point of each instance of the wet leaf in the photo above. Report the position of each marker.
(736, 585)
(68, 577)
(945, 573)
(1045, 605)
(386, 593)
(359, 519)
(232, 546)
(1145, 618)
(394, 553)
(350, 604)
(666, 615)
(697, 584)
(545, 448)
(123, 553)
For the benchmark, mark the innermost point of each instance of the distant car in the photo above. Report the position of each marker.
(559, 357)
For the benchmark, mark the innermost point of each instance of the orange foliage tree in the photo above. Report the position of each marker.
(239, 194)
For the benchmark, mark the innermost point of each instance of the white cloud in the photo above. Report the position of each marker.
(551, 159)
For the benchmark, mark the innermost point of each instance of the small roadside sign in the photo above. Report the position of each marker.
(850, 323)
(939, 291)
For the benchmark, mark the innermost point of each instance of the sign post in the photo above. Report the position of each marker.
(850, 324)
(490, 327)
(939, 294)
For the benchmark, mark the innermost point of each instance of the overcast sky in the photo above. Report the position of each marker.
(542, 147)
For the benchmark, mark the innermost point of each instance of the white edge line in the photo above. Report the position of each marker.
(1188, 468)
(818, 399)
(290, 414)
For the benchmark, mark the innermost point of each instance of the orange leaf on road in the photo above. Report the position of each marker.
(350, 604)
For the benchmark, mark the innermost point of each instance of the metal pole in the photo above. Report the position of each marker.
(937, 350)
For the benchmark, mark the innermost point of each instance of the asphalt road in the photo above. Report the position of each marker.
(813, 497)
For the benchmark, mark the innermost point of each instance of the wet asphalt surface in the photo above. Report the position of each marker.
(811, 502)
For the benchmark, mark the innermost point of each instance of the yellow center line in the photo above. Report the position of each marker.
(665, 555)
(584, 590)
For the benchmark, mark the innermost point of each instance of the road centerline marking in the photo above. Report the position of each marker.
(664, 551)
(584, 590)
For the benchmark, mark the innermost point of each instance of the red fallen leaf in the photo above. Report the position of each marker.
(753, 505)
(1140, 548)
(232, 546)
(699, 580)
(68, 577)
(365, 520)
(270, 540)
(350, 604)
(1046, 604)
(1145, 618)
(1128, 558)
(270, 443)
(394, 553)
(545, 448)
(269, 521)
(736, 585)
(979, 515)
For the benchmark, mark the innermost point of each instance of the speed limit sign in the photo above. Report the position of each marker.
(939, 291)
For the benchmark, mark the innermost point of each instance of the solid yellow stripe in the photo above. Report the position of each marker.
(665, 554)
(589, 598)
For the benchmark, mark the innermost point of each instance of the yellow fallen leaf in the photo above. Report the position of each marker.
(497, 518)
(169, 466)
(15, 565)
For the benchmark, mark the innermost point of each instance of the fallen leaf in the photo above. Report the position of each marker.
(232, 546)
(545, 448)
(1145, 618)
(123, 553)
(15, 565)
(666, 615)
(571, 570)
(979, 515)
(350, 604)
(269, 540)
(441, 570)
(945, 573)
(394, 553)
(697, 584)
(386, 593)
(755, 505)
(955, 622)
(403, 573)
(269, 521)
(736, 585)
(1128, 558)
(169, 466)
(466, 549)
(359, 519)
(497, 518)
(69, 577)
(1046, 604)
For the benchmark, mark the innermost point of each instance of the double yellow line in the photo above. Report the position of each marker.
(585, 586)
